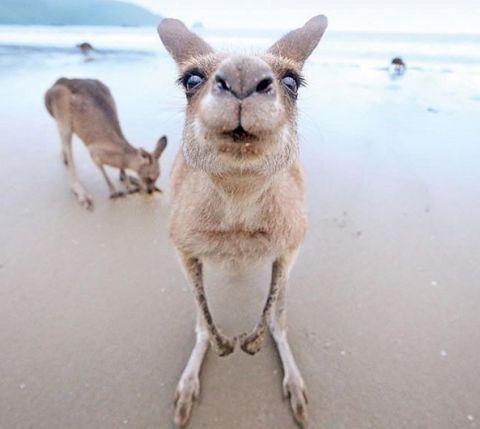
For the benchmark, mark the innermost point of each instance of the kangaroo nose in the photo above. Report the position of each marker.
(243, 77)
(261, 85)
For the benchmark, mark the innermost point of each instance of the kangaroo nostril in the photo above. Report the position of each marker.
(222, 83)
(264, 85)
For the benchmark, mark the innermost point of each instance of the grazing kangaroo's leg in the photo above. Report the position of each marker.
(114, 193)
(293, 384)
(252, 343)
(188, 387)
(192, 266)
(131, 183)
(83, 198)
(64, 156)
(98, 157)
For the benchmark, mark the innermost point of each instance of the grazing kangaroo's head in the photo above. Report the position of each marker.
(241, 112)
(148, 166)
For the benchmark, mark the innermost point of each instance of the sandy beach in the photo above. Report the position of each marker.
(96, 320)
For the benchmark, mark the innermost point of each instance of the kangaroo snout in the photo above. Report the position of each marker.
(241, 103)
(243, 77)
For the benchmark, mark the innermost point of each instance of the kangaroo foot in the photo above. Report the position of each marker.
(188, 389)
(294, 389)
(117, 194)
(85, 200)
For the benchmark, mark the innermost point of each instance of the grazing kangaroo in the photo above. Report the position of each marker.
(237, 185)
(86, 107)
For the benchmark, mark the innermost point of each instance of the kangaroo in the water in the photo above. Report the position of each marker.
(398, 66)
(237, 185)
(85, 48)
(86, 107)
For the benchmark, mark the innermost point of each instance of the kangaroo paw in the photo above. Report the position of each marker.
(223, 345)
(252, 343)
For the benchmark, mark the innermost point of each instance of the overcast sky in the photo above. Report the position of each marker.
(439, 16)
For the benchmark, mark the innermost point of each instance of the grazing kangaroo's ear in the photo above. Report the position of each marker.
(300, 43)
(161, 145)
(180, 42)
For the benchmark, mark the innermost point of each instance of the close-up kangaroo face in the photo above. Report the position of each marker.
(241, 109)
(241, 112)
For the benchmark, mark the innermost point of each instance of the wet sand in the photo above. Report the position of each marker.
(96, 322)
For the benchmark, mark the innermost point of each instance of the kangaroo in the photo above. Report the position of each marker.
(85, 48)
(86, 107)
(397, 66)
(238, 186)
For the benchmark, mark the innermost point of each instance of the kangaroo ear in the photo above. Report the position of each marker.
(300, 43)
(180, 42)
(161, 145)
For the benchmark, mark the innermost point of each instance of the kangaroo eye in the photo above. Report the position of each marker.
(192, 81)
(291, 84)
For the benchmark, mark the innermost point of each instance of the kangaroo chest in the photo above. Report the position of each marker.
(239, 229)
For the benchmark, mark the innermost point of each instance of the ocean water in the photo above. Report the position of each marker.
(350, 100)
(439, 52)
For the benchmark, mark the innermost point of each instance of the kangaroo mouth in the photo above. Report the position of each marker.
(240, 135)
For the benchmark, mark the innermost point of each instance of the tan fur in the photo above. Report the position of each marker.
(86, 107)
(237, 185)
(236, 220)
